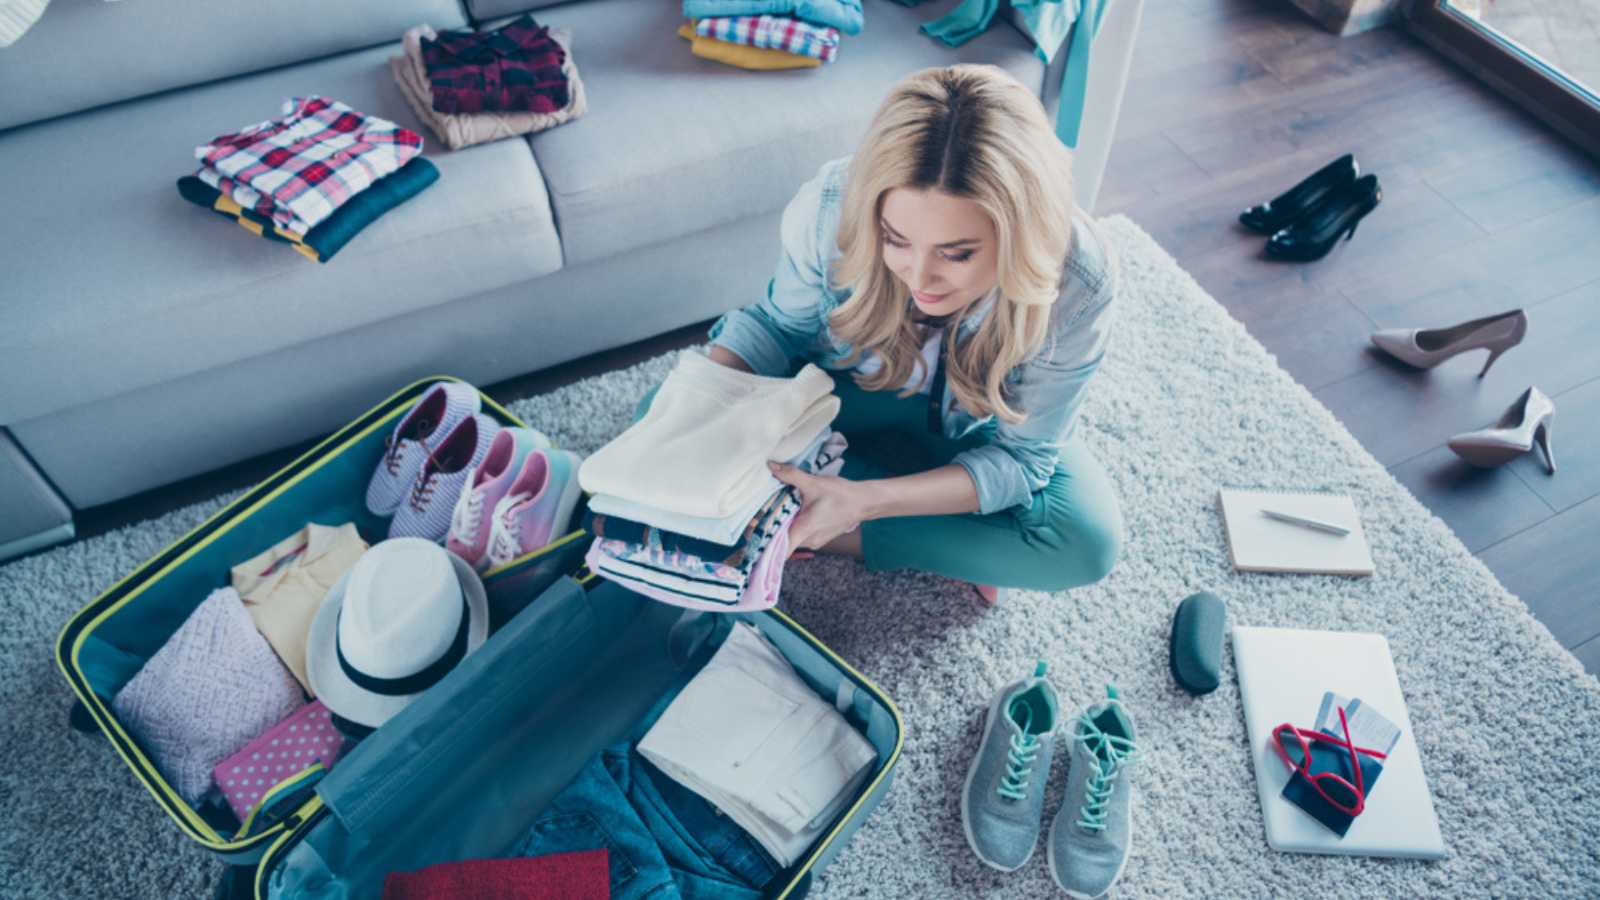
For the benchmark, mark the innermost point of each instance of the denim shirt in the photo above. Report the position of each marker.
(791, 323)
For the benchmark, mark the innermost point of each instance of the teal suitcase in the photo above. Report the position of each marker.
(572, 662)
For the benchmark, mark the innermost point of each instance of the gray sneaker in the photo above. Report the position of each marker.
(1091, 835)
(1003, 801)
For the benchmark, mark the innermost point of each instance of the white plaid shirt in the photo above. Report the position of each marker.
(300, 168)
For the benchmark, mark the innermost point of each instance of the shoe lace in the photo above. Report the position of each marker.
(422, 491)
(1019, 759)
(1019, 766)
(467, 517)
(506, 543)
(391, 455)
(1109, 755)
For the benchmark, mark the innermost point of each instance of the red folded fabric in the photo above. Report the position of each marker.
(556, 876)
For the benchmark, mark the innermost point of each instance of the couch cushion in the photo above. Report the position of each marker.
(673, 144)
(84, 53)
(114, 282)
(483, 10)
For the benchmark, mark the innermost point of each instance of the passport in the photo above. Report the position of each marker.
(1330, 758)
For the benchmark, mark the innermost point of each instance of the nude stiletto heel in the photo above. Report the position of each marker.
(1428, 347)
(1524, 425)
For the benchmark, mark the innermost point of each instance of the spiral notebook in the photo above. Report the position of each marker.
(1257, 543)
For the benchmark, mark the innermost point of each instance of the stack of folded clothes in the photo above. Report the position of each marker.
(313, 178)
(684, 509)
(473, 87)
(763, 34)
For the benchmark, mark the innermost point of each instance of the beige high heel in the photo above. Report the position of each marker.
(1428, 347)
(1525, 425)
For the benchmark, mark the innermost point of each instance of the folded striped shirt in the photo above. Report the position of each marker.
(773, 33)
(686, 575)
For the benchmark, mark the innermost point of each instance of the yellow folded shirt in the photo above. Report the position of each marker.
(742, 56)
(225, 204)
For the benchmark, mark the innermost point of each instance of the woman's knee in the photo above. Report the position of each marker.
(1098, 545)
(1079, 549)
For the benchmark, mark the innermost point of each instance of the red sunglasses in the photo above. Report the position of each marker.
(1294, 746)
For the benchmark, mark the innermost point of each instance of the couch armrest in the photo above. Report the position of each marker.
(35, 515)
(1108, 78)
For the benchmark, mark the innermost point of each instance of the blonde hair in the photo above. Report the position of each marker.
(971, 131)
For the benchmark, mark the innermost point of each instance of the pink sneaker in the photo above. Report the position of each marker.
(425, 512)
(537, 508)
(469, 525)
(419, 433)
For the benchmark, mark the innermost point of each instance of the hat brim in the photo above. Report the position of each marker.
(348, 699)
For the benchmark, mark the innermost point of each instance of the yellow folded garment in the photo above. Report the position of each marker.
(742, 56)
(225, 204)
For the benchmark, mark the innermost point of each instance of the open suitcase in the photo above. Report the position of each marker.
(571, 664)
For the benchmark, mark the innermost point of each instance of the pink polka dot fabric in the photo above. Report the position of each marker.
(281, 752)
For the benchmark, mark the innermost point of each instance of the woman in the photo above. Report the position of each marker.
(962, 301)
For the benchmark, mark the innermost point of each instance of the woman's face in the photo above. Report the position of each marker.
(943, 247)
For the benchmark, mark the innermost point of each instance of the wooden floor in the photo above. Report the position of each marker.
(1231, 101)
(1484, 209)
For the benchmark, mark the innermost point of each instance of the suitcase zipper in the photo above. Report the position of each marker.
(297, 823)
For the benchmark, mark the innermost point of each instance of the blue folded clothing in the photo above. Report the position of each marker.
(844, 15)
(329, 236)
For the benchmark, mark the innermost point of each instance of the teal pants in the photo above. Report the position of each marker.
(1068, 537)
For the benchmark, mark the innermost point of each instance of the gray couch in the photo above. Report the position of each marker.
(146, 341)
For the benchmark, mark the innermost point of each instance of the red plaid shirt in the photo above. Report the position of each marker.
(300, 168)
(514, 69)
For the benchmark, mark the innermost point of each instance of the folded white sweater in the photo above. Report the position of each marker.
(703, 445)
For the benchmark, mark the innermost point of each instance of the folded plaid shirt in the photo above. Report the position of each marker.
(300, 168)
(516, 68)
(773, 33)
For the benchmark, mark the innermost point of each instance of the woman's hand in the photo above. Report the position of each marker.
(830, 506)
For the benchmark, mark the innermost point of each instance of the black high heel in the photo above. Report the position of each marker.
(1337, 217)
(1284, 209)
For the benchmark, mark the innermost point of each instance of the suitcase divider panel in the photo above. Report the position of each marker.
(474, 807)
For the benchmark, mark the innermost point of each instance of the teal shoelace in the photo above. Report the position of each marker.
(1019, 760)
(1111, 755)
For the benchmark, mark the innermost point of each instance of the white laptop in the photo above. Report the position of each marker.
(1283, 674)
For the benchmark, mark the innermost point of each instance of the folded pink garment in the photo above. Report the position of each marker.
(767, 577)
(280, 753)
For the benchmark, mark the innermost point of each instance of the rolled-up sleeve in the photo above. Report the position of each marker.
(783, 325)
(1021, 458)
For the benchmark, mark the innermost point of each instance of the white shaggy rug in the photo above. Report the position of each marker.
(1506, 719)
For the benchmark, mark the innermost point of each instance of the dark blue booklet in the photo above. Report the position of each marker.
(1327, 757)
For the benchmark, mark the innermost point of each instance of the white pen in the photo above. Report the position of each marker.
(1305, 523)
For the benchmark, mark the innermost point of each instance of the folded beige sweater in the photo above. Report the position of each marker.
(459, 131)
(702, 447)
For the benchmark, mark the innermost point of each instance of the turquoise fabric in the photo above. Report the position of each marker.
(963, 23)
(1051, 23)
(1069, 536)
